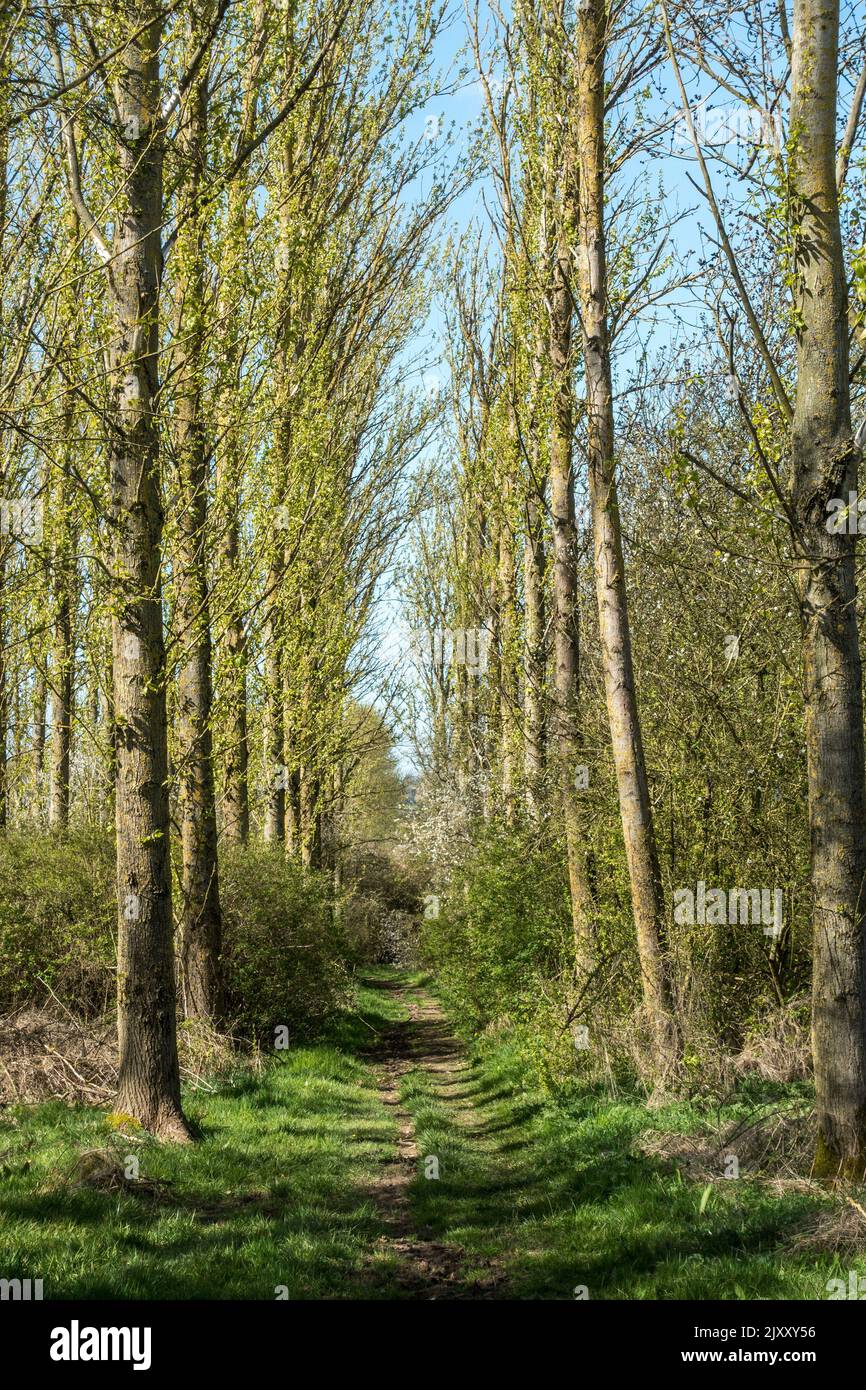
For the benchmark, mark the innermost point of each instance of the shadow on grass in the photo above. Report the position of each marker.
(556, 1194)
(273, 1198)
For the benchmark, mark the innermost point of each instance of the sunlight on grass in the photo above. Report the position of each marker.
(274, 1195)
(555, 1193)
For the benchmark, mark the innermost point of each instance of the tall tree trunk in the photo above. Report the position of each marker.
(311, 820)
(63, 648)
(625, 729)
(149, 1080)
(6, 23)
(534, 562)
(825, 466)
(533, 655)
(508, 690)
(274, 828)
(200, 918)
(40, 701)
(566, 620)
(292, 800)
(233, 657)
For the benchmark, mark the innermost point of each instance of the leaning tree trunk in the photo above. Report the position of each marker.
(200, 917)
(625, 729)
(149, 1081)
(825, 466)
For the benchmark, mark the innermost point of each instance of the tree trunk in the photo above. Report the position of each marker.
(534, 562)
(6, 24)
(533, 657)
(40, 701)
(566, 620)
(229, 471)
(275, 770)
(63, 649)
(310, 817)
(508, 692)
(149, 1081)
(200, 918)
(825, 466)
(625, 730)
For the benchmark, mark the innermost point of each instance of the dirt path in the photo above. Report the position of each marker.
(425, 1268)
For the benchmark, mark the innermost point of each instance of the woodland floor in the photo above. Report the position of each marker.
(315, 1178)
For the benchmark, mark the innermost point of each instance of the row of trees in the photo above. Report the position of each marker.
(216, 234)
(739, 454)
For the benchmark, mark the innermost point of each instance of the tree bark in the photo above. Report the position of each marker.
(200, 917)
(566, 619)
(622, 710)
(6, 22)
(63, 645)
(274, 828)
(825, 465)
(149, 1080)
(508, 689)
(534, 565)
(233, 657)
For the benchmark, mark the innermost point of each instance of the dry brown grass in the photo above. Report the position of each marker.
(104, 1171)
(839, 1229)
(777, 1146)
(780, 1050)
(49, 1054)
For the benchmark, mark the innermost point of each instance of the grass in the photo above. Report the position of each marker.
(277, 1196)
(274, 1197)
(555, 1194)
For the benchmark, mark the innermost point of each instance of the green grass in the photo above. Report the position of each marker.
(273, 1195)
(555, 1194)
(277, 1194)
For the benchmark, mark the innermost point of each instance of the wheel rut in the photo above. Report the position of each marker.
(412, 1262)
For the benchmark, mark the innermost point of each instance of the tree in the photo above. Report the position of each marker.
(149, 1078)
(619, 679)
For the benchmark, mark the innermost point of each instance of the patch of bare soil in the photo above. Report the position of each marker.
(426, 1268)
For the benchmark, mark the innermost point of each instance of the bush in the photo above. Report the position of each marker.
(285, 955)
(57, 920)
(504, 927)
(381, 908)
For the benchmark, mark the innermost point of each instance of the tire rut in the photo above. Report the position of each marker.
(425, 1268)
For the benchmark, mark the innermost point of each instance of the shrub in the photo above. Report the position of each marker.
(57, 919)
(285, 955)
(380, 909)
(503, 927)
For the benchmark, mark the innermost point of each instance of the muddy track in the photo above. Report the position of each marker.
(425, 1268)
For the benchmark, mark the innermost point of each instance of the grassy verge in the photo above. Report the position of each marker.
(274, 1197)
(558, 1196)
